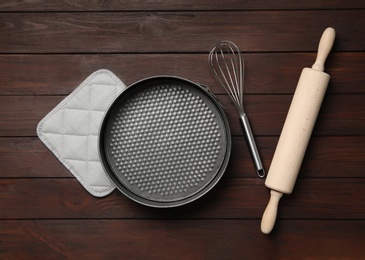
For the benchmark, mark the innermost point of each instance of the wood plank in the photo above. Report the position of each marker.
(48, 47)
(324, 198)
(275, 73)
(28, 157)
(141, 32)
(99, 5)
(339, 115)
(188, 239)
(21, 114)
(326, 157)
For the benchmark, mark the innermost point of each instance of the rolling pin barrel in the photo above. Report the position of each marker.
(297, 130)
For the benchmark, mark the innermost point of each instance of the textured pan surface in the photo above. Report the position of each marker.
(166, 141)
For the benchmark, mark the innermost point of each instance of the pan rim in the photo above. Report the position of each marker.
(156, 203)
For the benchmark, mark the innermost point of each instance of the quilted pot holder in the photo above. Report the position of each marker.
(71, 130)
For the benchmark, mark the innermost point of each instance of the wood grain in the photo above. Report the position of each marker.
(166, 32)
(102, 5)
(274, 73)
(47, 48)
(189, 239)
(231, 198)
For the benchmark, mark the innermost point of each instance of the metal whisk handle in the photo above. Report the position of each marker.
(252, 145)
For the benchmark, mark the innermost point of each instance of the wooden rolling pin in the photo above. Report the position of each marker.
(297, 130)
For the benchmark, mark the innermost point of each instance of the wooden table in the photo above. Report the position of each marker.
(47, 48)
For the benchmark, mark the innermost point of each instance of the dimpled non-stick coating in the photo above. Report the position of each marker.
(165, 140)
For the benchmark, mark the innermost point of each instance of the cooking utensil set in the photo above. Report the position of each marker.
(165, 141)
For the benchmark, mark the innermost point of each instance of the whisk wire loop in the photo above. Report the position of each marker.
(226, 62)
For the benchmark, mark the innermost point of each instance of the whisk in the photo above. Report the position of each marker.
(227, 65)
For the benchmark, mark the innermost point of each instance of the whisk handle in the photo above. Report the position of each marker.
(252, 145)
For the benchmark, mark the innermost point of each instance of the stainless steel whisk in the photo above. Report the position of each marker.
(227, 65)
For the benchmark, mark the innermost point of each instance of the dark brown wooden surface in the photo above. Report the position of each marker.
(47, 48)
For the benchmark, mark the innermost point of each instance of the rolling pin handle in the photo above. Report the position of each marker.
(324, 48)
(269, 216)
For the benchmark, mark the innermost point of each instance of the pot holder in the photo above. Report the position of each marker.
(71, 130)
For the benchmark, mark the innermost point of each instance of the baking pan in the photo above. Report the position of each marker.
(165, 141)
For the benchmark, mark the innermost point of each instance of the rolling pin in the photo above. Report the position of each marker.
(297, 130)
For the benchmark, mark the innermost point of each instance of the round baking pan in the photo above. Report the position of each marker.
(165, 141)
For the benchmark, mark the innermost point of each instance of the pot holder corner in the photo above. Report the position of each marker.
(71, 130)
